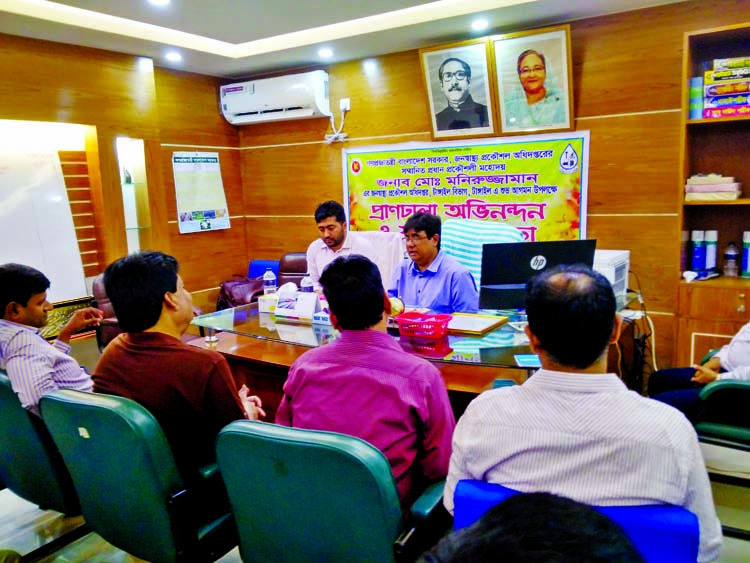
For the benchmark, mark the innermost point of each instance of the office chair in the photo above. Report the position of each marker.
(108, 328)
(130, 490)
(309, 496)
(659, 532)
(292, 268)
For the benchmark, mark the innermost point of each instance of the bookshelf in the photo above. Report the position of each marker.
(710, 312)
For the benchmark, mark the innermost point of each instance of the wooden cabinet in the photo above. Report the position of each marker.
(711, 312)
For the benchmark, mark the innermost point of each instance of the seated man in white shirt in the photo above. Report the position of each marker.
(34, 366)
(334, 241)
(575, 430)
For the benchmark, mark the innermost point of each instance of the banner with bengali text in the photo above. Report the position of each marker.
(536, 183)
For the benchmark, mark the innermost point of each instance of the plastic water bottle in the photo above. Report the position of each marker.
(745, 254)
(731, 261)
(269, 282)
(306, 285)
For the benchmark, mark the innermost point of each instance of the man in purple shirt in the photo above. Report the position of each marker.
(365, 385)
(432, 279)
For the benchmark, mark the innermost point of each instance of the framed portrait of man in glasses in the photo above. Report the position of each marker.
(459, 85)
(534, 80)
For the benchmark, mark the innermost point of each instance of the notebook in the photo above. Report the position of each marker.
(506, 267)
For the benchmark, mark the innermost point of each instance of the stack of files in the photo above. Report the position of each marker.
(711, 187)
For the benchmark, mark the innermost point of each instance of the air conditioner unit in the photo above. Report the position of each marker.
(295, 96)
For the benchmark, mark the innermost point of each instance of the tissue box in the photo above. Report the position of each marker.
(267, 303)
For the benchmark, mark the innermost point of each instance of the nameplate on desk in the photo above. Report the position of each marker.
(301, 307)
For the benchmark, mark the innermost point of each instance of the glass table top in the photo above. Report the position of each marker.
(495, 348)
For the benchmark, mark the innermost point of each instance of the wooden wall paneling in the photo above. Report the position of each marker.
(158, 198)
(291, 180)
(210, 257)
(47, 81)
(270, 237)
(703, 336)
(189, 110)
(634, 160)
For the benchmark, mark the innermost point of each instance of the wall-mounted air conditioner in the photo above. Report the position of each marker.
(295, 96)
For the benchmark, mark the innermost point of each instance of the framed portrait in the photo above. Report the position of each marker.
(534, 80)
(460, 88)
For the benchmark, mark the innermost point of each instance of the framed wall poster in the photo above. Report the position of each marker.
(460, 88)
(534, 80)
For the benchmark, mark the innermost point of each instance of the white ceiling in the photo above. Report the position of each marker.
(241, 38)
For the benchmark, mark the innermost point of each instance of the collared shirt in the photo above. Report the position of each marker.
(319, 255)
(445, 286)
(365, 385)
(735, 356)
(585, 436)
(470, 115)
(35, 367)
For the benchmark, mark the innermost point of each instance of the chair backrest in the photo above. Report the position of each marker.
(108, 329)
(257, 268)
(463, 239)
(390, 250)
(659, 532)
(122, 467)
(303, 495)
(30, 465)
(292, 268)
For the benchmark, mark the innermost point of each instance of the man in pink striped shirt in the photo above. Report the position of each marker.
(33, 366)
(364, 384)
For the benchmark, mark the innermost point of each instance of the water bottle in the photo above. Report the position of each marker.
(269, 282)
(698, 261)
(746, 254)
(712, 238)
(731, 261)
(306, 285)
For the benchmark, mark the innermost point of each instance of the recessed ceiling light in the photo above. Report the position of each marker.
(479, 25)
(325, 53)
(159, 2)
(173, 57)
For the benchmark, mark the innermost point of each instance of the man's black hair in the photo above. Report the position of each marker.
(330, 209)
(136, 285)
(426, 222)
(537, 528)
(571, 310)
(18, 283)
(464, 64)
(354, 290)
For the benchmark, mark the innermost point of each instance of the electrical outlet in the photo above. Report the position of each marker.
(345, 104)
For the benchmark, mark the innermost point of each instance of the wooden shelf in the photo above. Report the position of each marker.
(720, 282)
(717, 120)
(741, 201)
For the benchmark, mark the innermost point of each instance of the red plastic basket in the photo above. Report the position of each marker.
(421, 325)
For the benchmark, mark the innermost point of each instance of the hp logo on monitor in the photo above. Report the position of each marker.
(538, 262)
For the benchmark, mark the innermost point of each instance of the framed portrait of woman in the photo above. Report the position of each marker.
(534, 80)
(460, 89)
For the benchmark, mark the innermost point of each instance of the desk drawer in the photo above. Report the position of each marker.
(715, 303)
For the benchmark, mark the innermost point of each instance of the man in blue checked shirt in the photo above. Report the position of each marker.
(35, 367)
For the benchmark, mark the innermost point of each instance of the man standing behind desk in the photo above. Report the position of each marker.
(33, 366)
(190, 391)
(365, 385)
(573, 429)
(432, 279)
(334, 241)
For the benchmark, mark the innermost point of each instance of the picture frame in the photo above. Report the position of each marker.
(534, 80)
(460, 105)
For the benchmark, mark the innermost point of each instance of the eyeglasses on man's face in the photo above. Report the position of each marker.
(527, 70)
(414, 239)
(458, 75)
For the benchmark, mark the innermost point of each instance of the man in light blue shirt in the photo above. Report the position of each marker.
(431, 278)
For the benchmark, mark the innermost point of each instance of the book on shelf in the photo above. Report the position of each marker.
(735, 100)
(710, 178)
(733, 111)
(719, 76)
(726, 88)
(732, 62)
(712, 196)
(711, 188)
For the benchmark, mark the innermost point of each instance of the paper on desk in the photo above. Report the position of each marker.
(470, 323)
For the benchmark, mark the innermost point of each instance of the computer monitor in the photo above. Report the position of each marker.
(506, 267)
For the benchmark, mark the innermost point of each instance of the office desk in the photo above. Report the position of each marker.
(261, 349)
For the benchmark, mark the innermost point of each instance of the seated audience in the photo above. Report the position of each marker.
(33, 366)
(432, 279)
(190, 391)
(334, 241)
(681, 387)
(365, 385)
(537, 528)
(575, 430)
